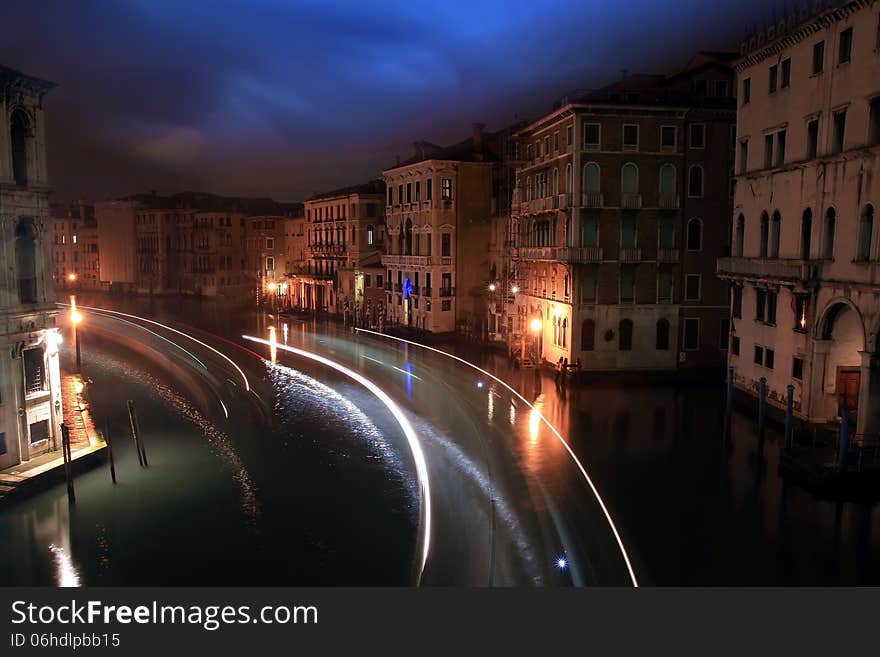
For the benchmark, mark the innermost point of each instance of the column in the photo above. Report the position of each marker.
(815, 407)
(868, 422)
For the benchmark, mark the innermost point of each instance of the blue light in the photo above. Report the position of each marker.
(479, 384)
(407, 288)
(562, 563)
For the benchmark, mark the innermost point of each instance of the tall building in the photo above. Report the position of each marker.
(438, 214)
(265, 257)
(75, 258)
(345, 231)
(805, 269)
(30, 379)
(620, 212)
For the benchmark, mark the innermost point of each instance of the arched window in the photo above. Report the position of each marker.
(866, 232)
(588, 335)
(19, 133)
(828, 234)
(765, 234)
(568, 178)
(775, 232)
(370, 236)
(740, 237)
(555, 182)
(695, 181)
(662, 340)
(591, 178)
(806, 233)
(667, 179)
(26, 260)
(629, 179)
(409, 237)
(625, 335)
(695, 234)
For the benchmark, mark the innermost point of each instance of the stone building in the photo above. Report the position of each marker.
(345, 230)
(438, 214)
(619, 214)
(265, 258)
(805, 269)
(75, 260)
(30, 379)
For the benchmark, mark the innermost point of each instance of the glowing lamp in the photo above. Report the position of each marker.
(71, 277)
(514, 289)
(272, 287)
(535, 325)
(491, 287)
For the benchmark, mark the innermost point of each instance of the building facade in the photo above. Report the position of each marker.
(438, 214)
(619, 214)
(805, 269)
(30, 378)
(345, 230)
(75, 257)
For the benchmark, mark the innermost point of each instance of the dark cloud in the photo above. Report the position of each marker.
(284, 98)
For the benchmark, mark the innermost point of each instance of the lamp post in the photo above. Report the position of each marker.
(75, 318)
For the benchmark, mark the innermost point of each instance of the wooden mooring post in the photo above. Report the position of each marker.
(110, 451)
(136, 434)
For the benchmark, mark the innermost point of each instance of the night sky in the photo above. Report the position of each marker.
(283, 99)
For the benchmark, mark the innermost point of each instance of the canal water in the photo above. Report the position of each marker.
(331, 507)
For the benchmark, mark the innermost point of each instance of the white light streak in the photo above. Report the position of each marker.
(408, 431)
(247, 385)
(555, 431)
(223, 406)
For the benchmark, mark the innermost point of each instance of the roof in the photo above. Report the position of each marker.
(206, 202)
(372, 187)
(12, 79)
(463, 151)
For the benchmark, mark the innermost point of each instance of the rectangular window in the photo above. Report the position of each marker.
(759, 355)
(418, 190)
(797, 368)
(760, 305)
(39, 431)
(368, 280)
(556, 142)
(698, 135)
(429, 185)
(701, 87)
(734, 345)
(628, 230)
(569, 135)
(270, 243)
(721, 88)
(627, 283)
(589, 285)
(845, 48)
(630, 137)
(771, 308)
(839, 131)
(773, 78)
(737, 309)
(786, 73)
(768, 151)
(34, 370)
(379, 280)
(769, 358)
(590, 230)
(409, 192)
(818, 57)
(667, 137)
(691, 333)
(747, 91)
(591, 136)
(779, 160)
(270, 264)
(446, 305)
(874, 122)
(692, 290)
(664, 286)
(446, 245)
(743, 155)
(400, 195)
(446, 189)
(812, 138)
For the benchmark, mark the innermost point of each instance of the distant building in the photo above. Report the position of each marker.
(345, 230)
(805, 269)
(30, 379)
(265, 249)
(75, 257)
(438, 220)
(620, 212)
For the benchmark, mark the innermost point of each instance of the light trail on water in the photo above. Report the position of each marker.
(552, 428)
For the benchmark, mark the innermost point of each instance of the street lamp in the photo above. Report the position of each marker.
(72, 277)
(272, 287)
(75, 318)
(514, 289)
(491, 287)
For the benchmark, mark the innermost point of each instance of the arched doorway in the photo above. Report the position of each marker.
(842, 327)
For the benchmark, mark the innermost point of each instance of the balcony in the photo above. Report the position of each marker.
(427, 292)
(398, 287)
(584, 254)
(770, 269)
(666, 254)
(630, 254)
(592, 200)
(574, 254)
(540, 252)
(328, 249)
(668, 202)
(563, 201)
(631, 201)
(447, 291)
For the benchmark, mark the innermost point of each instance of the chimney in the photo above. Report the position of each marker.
(478, 141)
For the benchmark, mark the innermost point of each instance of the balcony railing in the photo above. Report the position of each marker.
(584, 254)
(427, 291)
(592, 200)
(447, 291)
(666, 254)
(668, 202)
(562, 253)
(563, 201)
(773, 269)
(630, 254)
(631, 201)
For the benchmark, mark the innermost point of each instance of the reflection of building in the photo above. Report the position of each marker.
(619, 214)
(345, 230)
(438, 214)
(75, 249)
(805, 270)
(30, 394)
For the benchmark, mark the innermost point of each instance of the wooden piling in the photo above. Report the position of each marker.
(110, 451)
(134, 432)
